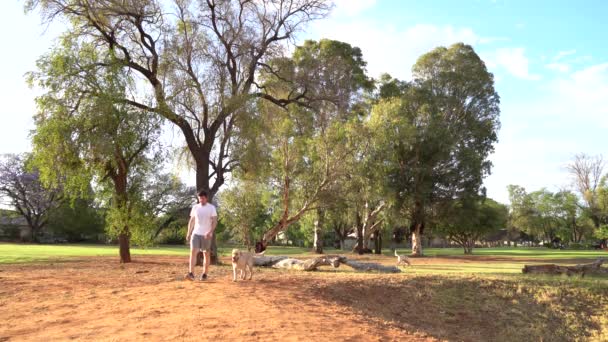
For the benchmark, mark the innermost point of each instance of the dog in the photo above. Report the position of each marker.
(402, 259)
(242, 261)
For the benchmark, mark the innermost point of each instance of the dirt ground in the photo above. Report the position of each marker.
(97, 299)
(101, 300)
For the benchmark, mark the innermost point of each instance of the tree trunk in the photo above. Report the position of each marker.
(417, 240)
(378, 243)
(120, 180)
(318, 234)
(468, 250)
(123, 247)
(359, 246)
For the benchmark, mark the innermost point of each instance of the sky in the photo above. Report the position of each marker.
(549, 59)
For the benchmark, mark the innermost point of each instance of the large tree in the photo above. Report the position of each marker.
(195, 63)
(85, 135)
(22, 189)
(437, 132)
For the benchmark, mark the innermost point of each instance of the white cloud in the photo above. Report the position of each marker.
(561, 67)
(513, 60)
(584, 93)
(563, 54)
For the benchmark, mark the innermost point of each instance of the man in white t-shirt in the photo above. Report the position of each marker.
(203, 220)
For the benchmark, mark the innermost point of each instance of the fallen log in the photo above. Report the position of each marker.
(310, 264)
(366, 267)
(266, 261)
(582, 269)
(285, 262)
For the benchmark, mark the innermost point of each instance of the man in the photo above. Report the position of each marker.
(203, 220)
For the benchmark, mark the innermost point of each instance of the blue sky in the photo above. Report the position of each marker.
(550, 60)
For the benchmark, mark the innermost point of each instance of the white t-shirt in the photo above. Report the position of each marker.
(202, 218)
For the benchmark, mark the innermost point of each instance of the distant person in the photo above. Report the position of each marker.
(203, 220)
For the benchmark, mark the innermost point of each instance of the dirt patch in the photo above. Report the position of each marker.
(97, 299)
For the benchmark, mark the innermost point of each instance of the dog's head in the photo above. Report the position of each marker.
(235, 255)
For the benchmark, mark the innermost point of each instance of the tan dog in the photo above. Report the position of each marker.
(242, 261)
(402, 259)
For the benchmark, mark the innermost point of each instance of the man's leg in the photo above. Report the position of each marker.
(207, 256)
(193, 254)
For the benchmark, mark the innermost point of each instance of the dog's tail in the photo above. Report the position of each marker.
(396, 253)
(261, 253)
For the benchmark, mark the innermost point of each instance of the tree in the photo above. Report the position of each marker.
(77, 220)
(245, 211)
(467, 221)
(548, 215)
(85, 135)
(20, 185)
(438, 133)
(573, 220)
(299, 150)
(168, 200)
(586, 172)
(194, 63)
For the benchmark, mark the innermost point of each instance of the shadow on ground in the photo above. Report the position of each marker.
(478, 309)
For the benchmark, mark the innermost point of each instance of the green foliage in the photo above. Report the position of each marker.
(86, 137)
(299, 151)
(434, 137)
(245, 211)
(602, 232)
(77, 221)
(549, 215)
(465, 222)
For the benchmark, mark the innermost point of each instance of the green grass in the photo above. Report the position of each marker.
(519, 252)
(514, 258)
(24, 253)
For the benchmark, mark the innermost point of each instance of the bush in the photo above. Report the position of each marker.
(10, 232)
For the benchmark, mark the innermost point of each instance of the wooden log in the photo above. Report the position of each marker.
(582, 269)
(267, 261)
(369, 266)
(285, 262)
(310, 264)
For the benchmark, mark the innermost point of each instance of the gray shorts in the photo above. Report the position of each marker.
(199, 242)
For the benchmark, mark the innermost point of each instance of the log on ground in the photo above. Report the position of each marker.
(582, 269)
(285, 262)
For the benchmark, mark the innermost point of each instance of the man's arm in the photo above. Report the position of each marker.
(213, 225)
(190, 228)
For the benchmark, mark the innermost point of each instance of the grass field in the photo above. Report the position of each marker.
(48, 292)
(504, 261)
(23, 253)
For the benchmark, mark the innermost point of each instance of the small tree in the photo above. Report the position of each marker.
(23, 190)
(245, 211)
(467, 221)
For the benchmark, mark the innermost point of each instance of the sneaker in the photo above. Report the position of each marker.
(189, 276)
(204, 276)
